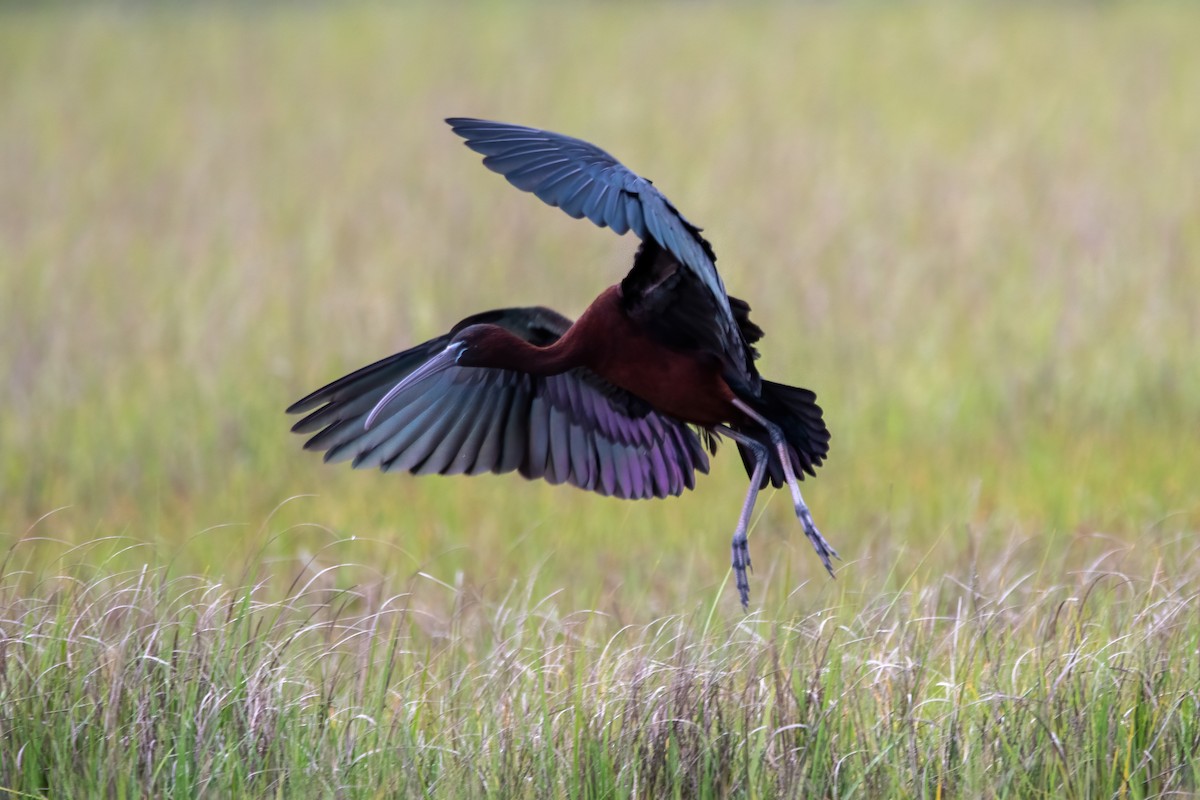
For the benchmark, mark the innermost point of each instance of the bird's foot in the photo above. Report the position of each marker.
(824, 549)
(741, 562)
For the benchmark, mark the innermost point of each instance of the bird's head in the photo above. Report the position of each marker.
(485, 345)
(469, 343)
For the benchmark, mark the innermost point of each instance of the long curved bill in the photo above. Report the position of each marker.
(439, 363)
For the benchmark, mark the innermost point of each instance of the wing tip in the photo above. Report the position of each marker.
(306, 403)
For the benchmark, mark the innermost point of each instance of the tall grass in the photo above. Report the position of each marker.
(974, 230)
(141, 684)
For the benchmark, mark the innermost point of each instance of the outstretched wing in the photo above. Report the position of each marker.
(585, 181)
(573, 427)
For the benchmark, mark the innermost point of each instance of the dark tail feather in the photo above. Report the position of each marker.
(795, 410)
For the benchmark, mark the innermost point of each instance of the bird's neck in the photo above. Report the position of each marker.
(504, 350)
(587, 343)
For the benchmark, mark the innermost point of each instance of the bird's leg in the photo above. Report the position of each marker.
(741, 548)
(823, 548)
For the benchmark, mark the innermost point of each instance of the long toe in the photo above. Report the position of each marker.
(823, 548)
(741, 560)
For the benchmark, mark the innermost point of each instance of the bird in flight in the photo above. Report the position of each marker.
(624, 401)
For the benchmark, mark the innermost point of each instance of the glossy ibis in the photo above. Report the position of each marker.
(623, 401)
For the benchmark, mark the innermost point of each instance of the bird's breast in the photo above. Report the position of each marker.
(684, 385)
(679, 388)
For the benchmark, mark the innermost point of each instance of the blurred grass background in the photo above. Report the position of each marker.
(973, 229)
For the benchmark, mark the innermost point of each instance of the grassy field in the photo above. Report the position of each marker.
(974, 230)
